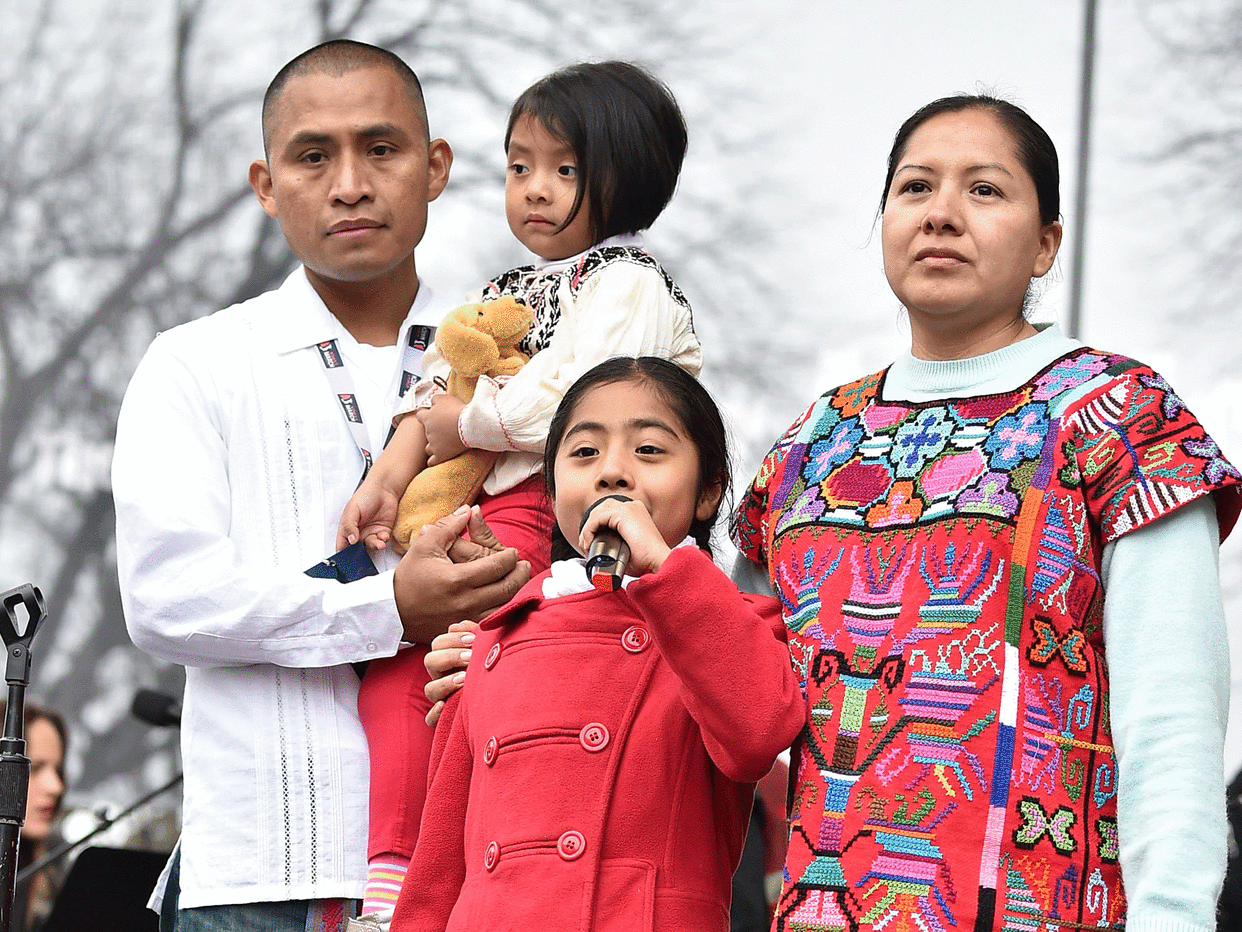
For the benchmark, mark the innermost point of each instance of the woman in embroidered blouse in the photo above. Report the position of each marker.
(998, 564)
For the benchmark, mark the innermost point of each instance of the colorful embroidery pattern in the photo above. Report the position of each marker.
(540, 290)
(939, 566)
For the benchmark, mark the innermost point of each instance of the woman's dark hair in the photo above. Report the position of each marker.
(1035, 149)
(627, 135)
(685, 396)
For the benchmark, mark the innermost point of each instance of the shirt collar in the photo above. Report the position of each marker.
(559, 265)
(300, 318)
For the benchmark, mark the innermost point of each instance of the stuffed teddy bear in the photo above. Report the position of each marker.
(475, 340)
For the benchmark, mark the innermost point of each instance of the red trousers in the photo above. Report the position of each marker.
(391, 701)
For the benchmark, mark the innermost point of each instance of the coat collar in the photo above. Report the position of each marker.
(528, 597)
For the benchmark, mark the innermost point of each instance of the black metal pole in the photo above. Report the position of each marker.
(14, 783)
(14, 764)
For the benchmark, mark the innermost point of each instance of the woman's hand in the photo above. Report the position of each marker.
(632, 521)
(450, 652)
(440, 424)
(446, 662)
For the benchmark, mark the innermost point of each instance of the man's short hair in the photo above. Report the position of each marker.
(338, 57)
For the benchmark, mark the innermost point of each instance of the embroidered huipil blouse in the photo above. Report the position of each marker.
(940, 567)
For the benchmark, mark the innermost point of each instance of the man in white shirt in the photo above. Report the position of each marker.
(241, 437)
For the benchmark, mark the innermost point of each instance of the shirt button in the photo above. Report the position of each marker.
(491, 856)
(489, 751)
(571, 845)
(594, 737)
(372, 648)
(492, 656)
(635, 639)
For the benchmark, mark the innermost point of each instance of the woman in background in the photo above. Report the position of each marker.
(45, 746)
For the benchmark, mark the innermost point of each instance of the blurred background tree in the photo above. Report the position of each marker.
(127, 133)
(1199, 145)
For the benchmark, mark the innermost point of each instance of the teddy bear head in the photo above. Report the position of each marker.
(475, 337)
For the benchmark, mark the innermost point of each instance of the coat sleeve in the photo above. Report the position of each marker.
(624, 309)
(729, 653)
(188, 594)
(438, 869)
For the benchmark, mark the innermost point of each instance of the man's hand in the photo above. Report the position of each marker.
(440, 424)
(446, 662)
(443, 578)
(482, 541)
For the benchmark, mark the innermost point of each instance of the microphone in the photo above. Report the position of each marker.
(155, 708)
(608, 554)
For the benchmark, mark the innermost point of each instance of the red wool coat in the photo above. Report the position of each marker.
(598, 771)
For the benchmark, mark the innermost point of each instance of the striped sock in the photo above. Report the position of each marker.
(384, 875)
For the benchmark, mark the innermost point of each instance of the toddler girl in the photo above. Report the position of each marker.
(594, 154)
(597, 769)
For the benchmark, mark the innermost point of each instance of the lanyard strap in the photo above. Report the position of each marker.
(420, 337)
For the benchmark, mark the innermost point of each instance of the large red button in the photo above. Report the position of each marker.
(489, 751)
(491, 856)
(635, 639)
(492, 656)
(594, 737)
(571, 845)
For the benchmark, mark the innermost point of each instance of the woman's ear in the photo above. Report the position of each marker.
(709, 501)
(1049, 243)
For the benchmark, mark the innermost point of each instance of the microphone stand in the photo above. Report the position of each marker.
(14, 764)
(105, 823)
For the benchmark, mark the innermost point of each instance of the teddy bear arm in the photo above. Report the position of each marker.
(508, 365)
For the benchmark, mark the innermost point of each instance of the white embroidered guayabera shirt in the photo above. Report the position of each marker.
(233, 463)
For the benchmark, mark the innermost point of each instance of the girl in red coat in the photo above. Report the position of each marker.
(598, 768)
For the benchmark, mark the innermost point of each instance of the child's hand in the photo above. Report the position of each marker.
(440, 424)
(369, 516)
(632, 521)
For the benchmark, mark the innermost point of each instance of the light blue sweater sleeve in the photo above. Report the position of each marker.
(1168, 662)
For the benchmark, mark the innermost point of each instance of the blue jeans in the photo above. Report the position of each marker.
(287, 916)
